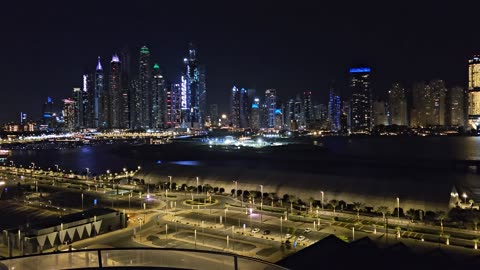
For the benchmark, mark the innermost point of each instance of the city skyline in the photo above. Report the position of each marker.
(255, 53)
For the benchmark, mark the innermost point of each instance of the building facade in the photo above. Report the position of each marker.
(397, 105)
(361, 100)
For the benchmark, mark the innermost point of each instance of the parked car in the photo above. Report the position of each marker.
(255, 230)
(307, 230)
(265, 232)
(301, 238)
(288, 236)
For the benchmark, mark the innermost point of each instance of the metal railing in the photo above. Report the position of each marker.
(137, 257)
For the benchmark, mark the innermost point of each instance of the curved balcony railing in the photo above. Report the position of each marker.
(137, 258)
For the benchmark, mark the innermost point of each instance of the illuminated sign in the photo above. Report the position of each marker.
(254, 106)
(183, 93)
(278, 111)
(360, 70)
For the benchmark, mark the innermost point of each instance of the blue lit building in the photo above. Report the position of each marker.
(361, 100)
(194, 92)
(255, 118)
(48, 114)
(334, 109)
(271, 106)
(244, 108)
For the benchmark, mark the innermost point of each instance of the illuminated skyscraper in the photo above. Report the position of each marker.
(474, 92)
(78, 109)
(68, 115)
(235, 107)
(244, 108)
(438, 95)
(361, 101)
(397, 104)
(99, 117)
(255, 116)
(271, 104)
(158, 98)
(49, 114)
(143, 95)
(194, 94)
(126, 76)
(334, 109)
(299, 113)
(421, 105)
(308, 107)
(114, 104)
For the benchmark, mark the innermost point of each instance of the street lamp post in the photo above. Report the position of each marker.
(226, 209)
(170, 178)
(56, 165)
(281, 228)
(197, 185)
(236, 187)
(464, 195)
(88, 172)
(398, 208)
(261, 197)
(82, 201)
(322, 198)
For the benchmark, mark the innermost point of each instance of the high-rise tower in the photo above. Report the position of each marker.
(115, 106)
(158, 98)
(271, 105)
(193, 91)
(474, 92)
(98, 114)
(143, 102)
(397, 104)
(361, 101)
(235, 107)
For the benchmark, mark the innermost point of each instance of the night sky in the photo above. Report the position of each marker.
(293, 47)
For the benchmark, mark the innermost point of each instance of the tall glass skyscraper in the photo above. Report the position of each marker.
(271, 105)
(143, 97)
(244, 108)
(474, 92)
(194, 94)
(235, 107)
(361, 101)
(334, 109)
(158, 98)
(99, 118)
(115, 106)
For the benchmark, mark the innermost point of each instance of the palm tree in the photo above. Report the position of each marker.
(411, 214)
(384, 210)
(441, 215)
(357, 206)
(334, 204)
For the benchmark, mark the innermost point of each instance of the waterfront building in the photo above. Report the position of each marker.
(98, 112)
(271, 105)
(308, 107)
(438, 95)
(347, 111)
(334, 109)
(126, 88)
(158, 98)
(78, 108)
(278, 119)
(361, 101)
(299, 113)
(421, 104)
(68, 115)
(88, 99)
(474, 92)
(255, 115)
(214, 117)
(244, 108)
(194, 93)
(235, 107)
(455, 106)
(48, 114)
(143, 96)
(113, 103)
(397, 104)
(380, 115)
